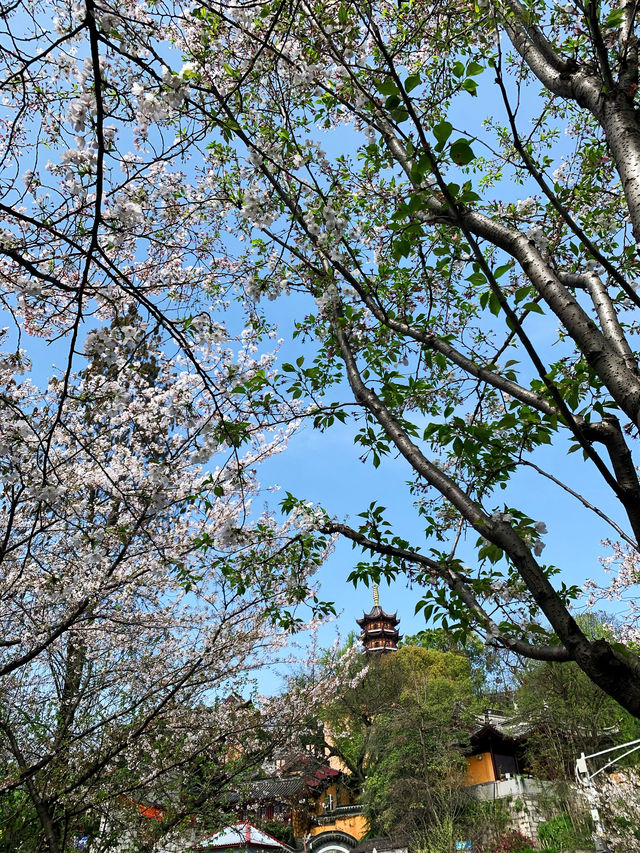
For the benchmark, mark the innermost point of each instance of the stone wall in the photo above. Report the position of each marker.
(530, 801)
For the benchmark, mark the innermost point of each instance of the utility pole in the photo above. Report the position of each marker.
(585, 778)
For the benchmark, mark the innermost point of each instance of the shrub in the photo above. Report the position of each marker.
(282, 831)
(511, 841)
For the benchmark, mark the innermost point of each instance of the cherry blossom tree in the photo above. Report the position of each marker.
(141, 580)
(138, 590)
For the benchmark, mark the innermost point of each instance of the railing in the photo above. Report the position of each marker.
(354, 808)
(335, 814)
(332, 816)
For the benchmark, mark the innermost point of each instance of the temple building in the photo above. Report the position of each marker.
(315, 800)
(379, 629)
(497, 748)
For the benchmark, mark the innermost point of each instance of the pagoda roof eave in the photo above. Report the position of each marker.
(377, 614)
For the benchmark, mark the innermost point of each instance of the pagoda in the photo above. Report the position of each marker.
(379, 631)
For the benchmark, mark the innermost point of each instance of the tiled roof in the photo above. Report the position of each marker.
(320, 775)
(239, 835)
(515, 724)
(507, 725)
(284, 787)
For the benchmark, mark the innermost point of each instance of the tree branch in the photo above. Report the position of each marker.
(458, 586)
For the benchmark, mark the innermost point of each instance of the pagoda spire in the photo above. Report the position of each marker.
(379, 629)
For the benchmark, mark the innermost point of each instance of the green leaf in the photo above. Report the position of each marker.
(491, 552)
(386, 87)
(478, 279)
(535, 307)
(399, 115)
(501, 270)
(461, 152)
(442, 132)
(614, 19)
(468, 197)
(421, 167)
(401, 249)
(494, 303)
(474, 68)
(416, 202)
(411, 82)
(470, 86)
(457, 68)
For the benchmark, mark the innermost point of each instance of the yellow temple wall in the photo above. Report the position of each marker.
(479, 769)
(333, 789)
(353, 824)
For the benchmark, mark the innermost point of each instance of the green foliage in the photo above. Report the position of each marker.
(18, 823)
(560, 833)
(478, 820)
(440, 837)
(487, 669)
(280, 830)
(569, 715)
(400, 727)
(416, 767)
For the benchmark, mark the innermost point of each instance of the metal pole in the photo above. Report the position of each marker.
(586, 779)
